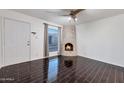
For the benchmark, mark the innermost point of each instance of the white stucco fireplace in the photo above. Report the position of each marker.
(69, 41)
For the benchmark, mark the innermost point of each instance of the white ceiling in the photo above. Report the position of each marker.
(55, 15)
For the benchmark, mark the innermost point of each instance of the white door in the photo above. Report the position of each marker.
(17, 42)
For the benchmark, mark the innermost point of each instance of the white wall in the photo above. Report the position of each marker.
(0, 42)
(37, 41)
(102, 40)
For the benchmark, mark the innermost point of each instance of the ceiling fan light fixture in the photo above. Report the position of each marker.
(75, 19)
(70, 18)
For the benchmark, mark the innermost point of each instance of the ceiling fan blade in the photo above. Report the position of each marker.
(75, 12)
(65, 15)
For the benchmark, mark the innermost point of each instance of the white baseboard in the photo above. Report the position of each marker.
(121, 65)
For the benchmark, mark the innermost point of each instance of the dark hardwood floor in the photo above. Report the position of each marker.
(62, 69)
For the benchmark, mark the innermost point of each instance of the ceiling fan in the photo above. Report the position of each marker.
(73, 14)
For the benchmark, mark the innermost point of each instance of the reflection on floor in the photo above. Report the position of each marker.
(62, 69)
(53, 69)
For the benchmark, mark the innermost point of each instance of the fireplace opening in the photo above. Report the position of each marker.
(68, 47)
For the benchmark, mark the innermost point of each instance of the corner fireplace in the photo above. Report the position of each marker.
(68, 47)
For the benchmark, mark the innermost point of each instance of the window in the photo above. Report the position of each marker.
(53, 38)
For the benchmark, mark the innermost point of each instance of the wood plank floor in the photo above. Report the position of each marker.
(62, 69)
